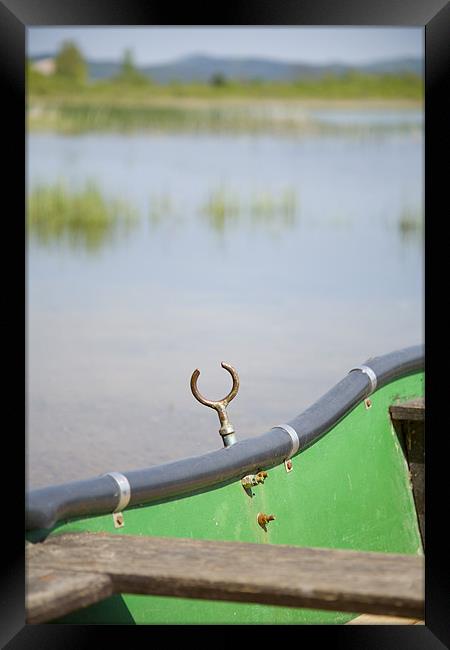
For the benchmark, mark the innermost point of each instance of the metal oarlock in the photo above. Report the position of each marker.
(226, 428)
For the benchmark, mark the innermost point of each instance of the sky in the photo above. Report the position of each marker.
(150, 45)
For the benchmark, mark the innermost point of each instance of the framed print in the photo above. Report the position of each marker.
(239, 195)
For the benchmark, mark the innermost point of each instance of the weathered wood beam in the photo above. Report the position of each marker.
(328, 579)
(52, 593)
(412, 410)
(372, 619)
(408, 419)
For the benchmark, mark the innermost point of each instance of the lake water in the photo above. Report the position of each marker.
(293, 302)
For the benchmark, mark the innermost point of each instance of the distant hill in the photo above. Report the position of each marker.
(198, 67)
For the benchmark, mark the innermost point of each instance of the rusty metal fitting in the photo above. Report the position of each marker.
(264, 519)
(251, 480)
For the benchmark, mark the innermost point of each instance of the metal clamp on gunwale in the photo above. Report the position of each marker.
(372, 377)
(124, 490)
(293, 435)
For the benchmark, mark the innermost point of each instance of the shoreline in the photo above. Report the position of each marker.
(232, 115)
(202, 102)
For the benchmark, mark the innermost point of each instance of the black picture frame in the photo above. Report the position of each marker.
(15, 17)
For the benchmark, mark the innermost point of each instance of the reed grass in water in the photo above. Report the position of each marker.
(224, 208)
(203, 116)
(265, 206)
(411, 221)
(221, 208)
(81, 218)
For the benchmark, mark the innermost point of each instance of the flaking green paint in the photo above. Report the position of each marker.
(349, 490)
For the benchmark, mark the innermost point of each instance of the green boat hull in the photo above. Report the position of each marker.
(349, 490)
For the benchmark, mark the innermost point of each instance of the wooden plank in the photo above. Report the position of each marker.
(411, 410)
(52, 593)
(371, 619)
(408, 420)
(329, 579)
(414, 433)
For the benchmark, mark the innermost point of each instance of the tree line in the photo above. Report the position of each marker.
(70, 64)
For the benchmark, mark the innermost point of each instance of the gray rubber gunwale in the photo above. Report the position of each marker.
(46, 506)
